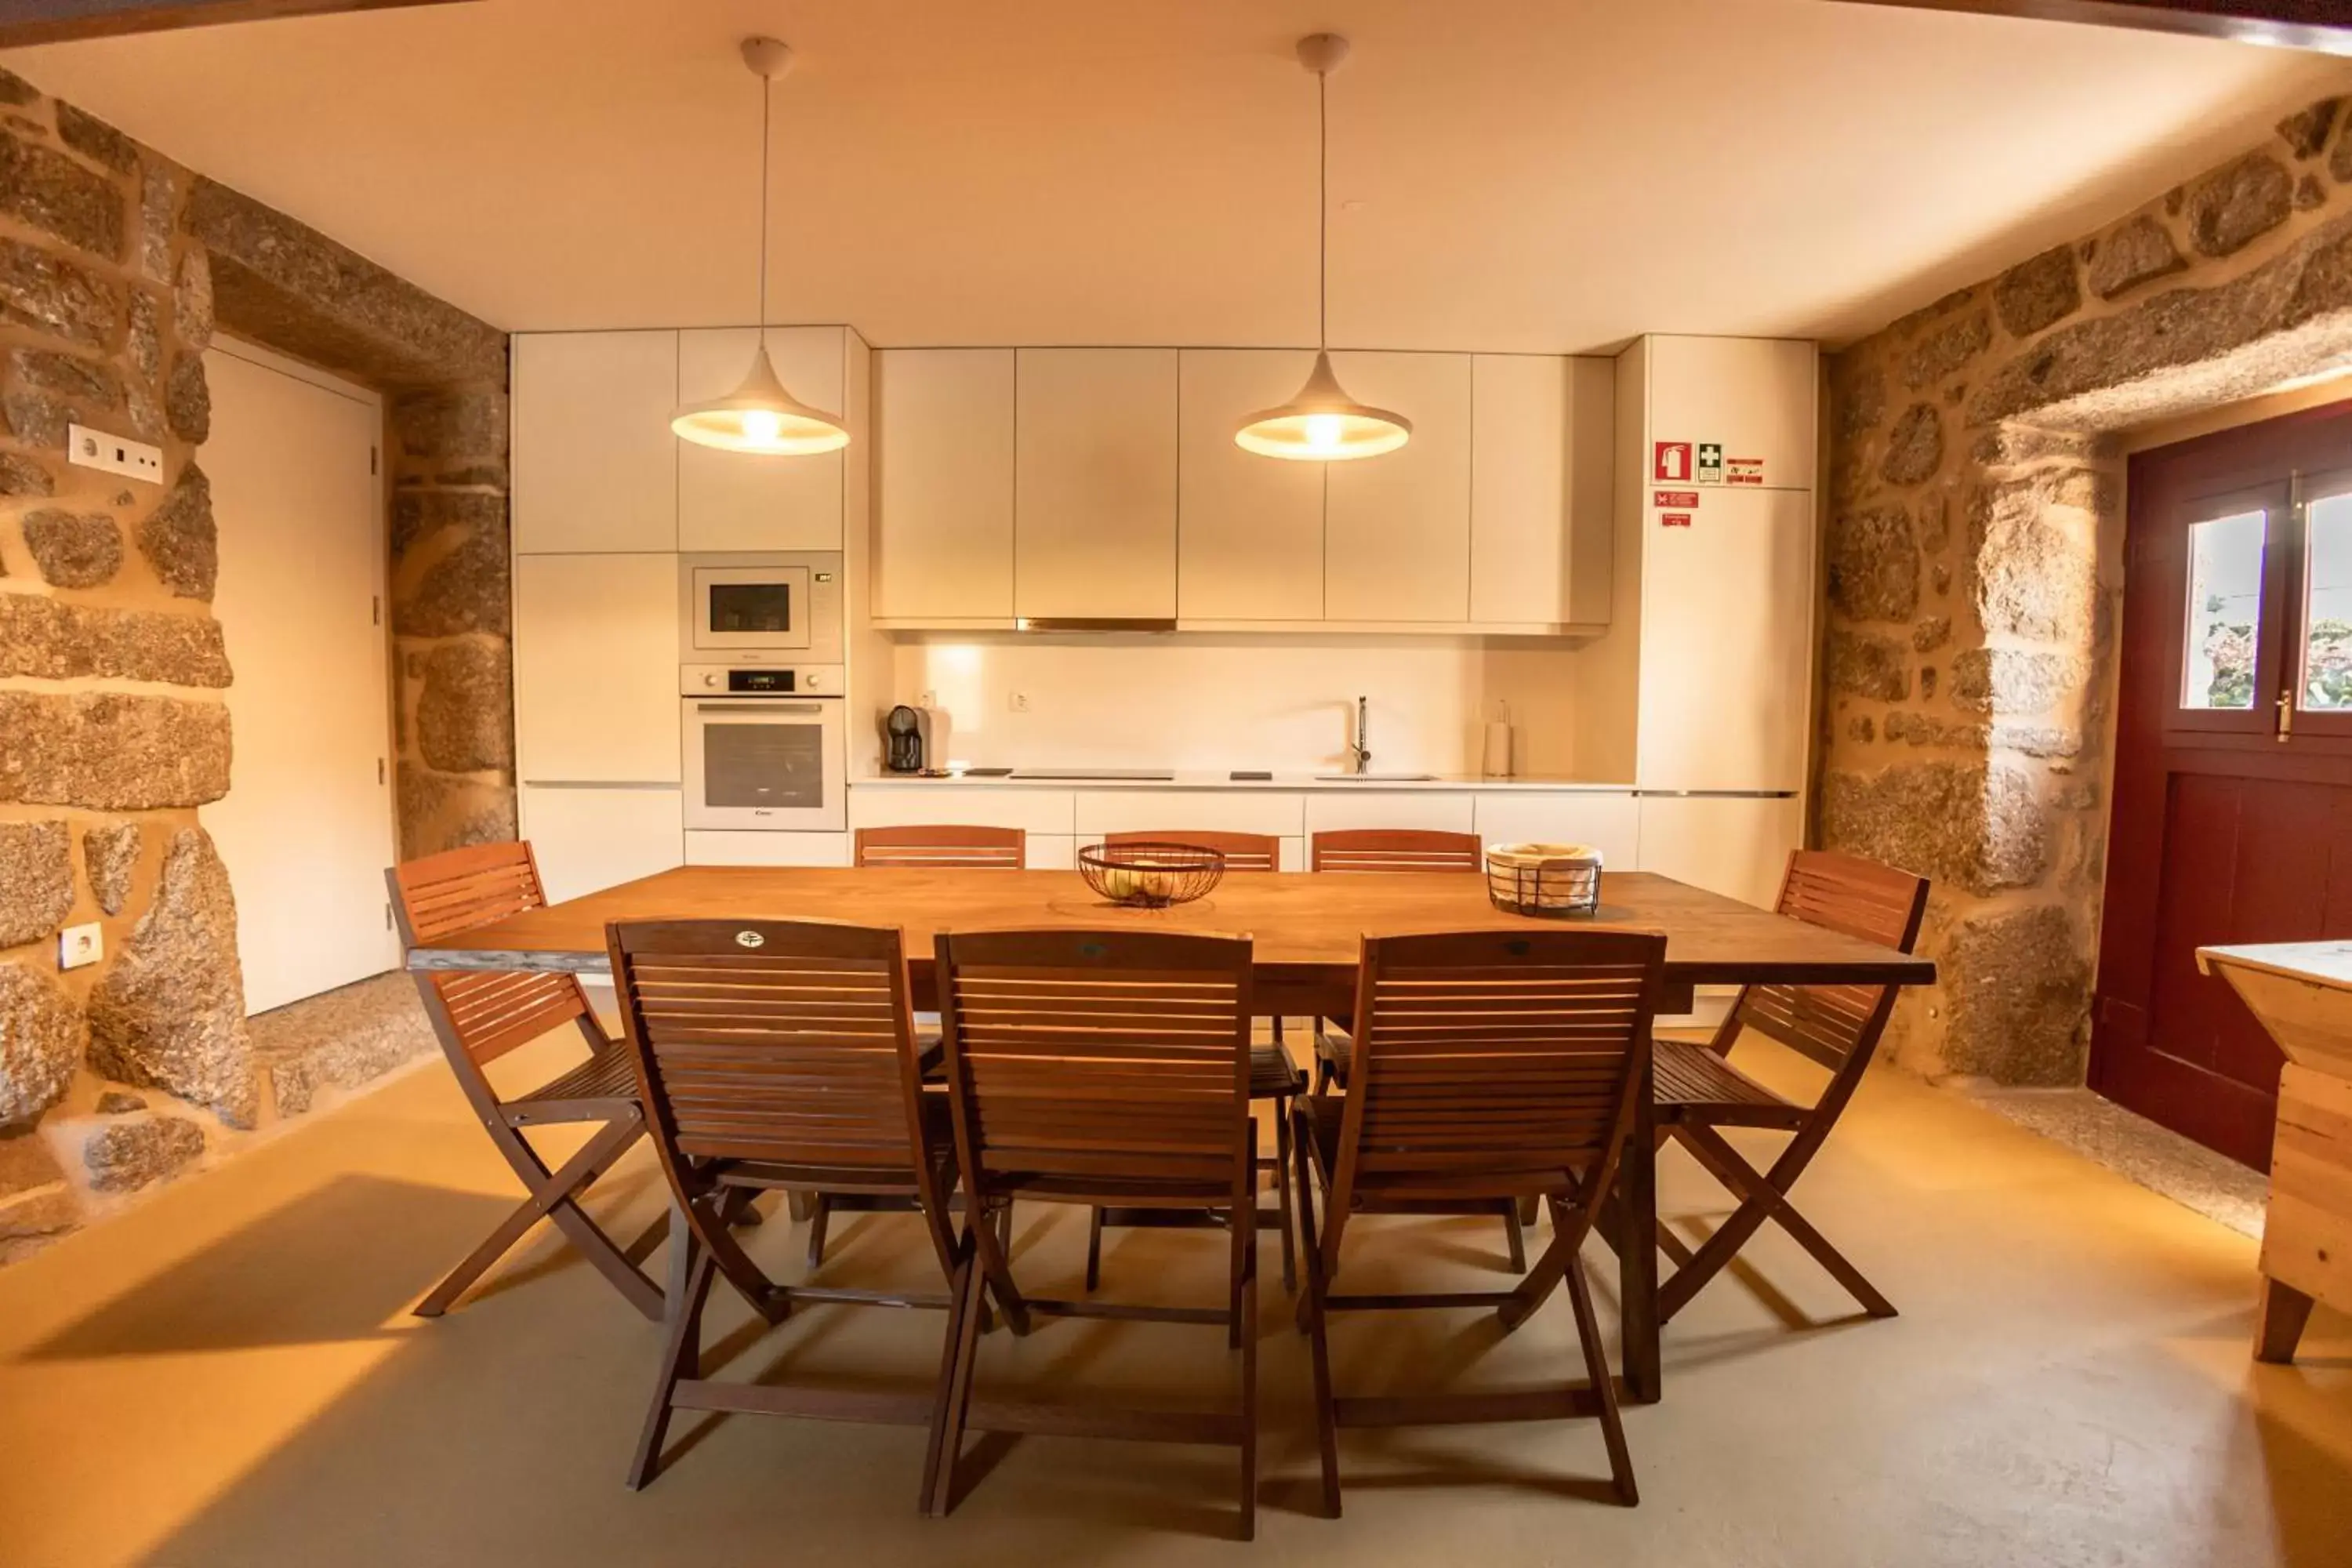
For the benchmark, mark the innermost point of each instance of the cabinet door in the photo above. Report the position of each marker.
(1095, 482)
(742, 500)
(587, 839)
(1755, 397)
(1540, 434)
(1610, 823)
(595, 663)
(943, 484)
(1397, 527)
(1735, 846)
(1726, 681)
(1249, 529)
(595, 467)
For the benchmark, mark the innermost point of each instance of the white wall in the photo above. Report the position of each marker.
(1197, 701)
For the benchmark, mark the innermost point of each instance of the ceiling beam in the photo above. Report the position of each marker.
(2322, 24)
(25, 22)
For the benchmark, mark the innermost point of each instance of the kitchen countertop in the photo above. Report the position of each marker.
(1183, 778)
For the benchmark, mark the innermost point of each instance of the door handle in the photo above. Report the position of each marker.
(2285, 715)
(767, 708)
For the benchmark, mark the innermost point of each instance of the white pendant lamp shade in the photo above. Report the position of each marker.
(1322, 424)
(760, 415)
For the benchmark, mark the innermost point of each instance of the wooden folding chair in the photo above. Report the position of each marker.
(1368, 849)
(479, 1016)
(1699, 1092)
(1490, 1066)
(1273, 1075)
(780, 1054)
(1107, 1068)
(935, 847)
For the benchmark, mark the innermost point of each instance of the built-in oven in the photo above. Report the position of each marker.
(745, 607)
(765, 747)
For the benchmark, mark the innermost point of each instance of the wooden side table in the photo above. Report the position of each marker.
(2302, 992)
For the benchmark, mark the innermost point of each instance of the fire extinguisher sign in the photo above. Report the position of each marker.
(1671, 462)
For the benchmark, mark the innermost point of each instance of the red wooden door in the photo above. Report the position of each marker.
(2233, 816)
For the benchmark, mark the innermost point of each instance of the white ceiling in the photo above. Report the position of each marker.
(1508, 175)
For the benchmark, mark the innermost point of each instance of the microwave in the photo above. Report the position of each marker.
(764, 606)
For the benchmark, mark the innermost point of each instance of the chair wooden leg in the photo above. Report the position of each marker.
(820, 1216)
(2278, 1328)
(1244, 1310)
(690, 1286)
(1604, 1388)
(1312, 1322)
(990, 1234)
(1761, 1200)
(948, 1439)
(1515, 1236)
(1093, 1248)
(553, 1196)
(954, 1345)
(1282, 1195)
(799, 1204)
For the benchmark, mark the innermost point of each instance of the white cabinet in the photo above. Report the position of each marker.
(1541, 439)
(1442, 811)
(1250, 528)
(1095, 483)
(594, 464)
(731, 847)
(1734, 845)
(743, 501)
(1050, 852)
(596, 669)
(1274, 811)
(1727, 644)
(943, 466)
(1397, 527)
(1757, 398)
(976, 805)
(590, 837)
(1610, 823)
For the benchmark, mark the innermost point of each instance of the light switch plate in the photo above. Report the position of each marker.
(81, 944)
(89, 449)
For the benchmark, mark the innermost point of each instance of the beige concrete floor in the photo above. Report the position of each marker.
(227, 1375)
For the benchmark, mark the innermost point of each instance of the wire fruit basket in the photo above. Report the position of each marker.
(1551, 881)
(1149, 876)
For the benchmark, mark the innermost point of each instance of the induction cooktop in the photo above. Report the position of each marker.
(1146, 775)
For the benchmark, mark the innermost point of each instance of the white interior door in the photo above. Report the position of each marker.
(307, 827)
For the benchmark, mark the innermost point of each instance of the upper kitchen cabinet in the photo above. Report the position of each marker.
(596, 465)
(1541, 465)
(1751, 400)
(743, 501)
(1095, 484)
(943, 466)
(596, 669)
(1397, 527)
(1251, 528)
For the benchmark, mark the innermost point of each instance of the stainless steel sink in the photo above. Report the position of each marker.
(1375, 778)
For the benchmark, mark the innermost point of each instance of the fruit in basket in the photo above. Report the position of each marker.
(1120, 883)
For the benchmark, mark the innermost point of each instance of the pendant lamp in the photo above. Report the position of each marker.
(760, 415)
(1322, 424)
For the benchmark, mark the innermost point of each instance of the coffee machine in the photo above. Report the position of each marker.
(915, 740)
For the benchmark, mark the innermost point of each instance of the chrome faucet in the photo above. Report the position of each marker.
(1360, 750)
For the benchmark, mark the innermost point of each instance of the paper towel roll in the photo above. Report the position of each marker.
(1498, 750)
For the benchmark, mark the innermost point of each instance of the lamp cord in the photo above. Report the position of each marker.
(767, 99)
(1322, 212)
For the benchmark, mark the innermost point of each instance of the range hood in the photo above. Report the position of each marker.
(1095, 624)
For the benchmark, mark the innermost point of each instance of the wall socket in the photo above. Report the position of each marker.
(89, 449)
(81, 944)
(1020, 701)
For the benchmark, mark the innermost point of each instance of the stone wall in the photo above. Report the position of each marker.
(116, 266)
(1976, 564)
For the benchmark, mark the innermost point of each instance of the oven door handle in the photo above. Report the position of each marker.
(759, 708)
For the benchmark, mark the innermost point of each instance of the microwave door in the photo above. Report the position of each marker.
(746, 607)
(765, 765)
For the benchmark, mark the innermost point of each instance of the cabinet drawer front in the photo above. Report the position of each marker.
(727, 846)
(969, 805)
(1431, 810)
(1051, 852)
(1610, 823)
(1203, 810)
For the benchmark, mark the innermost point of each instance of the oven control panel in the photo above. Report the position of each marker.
(760, 681)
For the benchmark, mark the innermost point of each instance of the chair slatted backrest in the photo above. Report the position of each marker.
(1105, 1056)
(1243, 851)
(1396, 849)
(1844, 893)
(780, 1042)
(490, 1013)
(1487, 1054)
(931, 848)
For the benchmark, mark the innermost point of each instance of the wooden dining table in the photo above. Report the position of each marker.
(1305, 930)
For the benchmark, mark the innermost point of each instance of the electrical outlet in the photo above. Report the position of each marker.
(78, 945)
(1019, 702)
(89, 449)
(928, 699)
